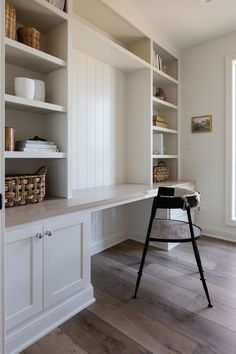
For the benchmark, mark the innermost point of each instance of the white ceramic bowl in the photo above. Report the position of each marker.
(39, 94)
(24, 87)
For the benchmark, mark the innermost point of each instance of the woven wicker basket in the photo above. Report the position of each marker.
(10, 21)
(20, 190)
(160, 172)
(29, 36)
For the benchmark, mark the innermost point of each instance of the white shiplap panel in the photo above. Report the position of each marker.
(82, 109)
(100, 123)
(91, 133)
(99, 104)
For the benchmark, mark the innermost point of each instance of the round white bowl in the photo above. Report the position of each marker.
(24, 87)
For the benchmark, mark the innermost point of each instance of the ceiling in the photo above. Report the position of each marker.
(188, 22)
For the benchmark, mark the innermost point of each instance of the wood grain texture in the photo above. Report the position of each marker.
(170, 314)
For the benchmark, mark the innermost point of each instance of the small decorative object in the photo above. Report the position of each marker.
(58, 3)
(39, 94)
(21, 190)
(24, 87)
(29, 36)
(10, 21)
(10, 136)
(161, 94)
(160, 172)
(202, 124)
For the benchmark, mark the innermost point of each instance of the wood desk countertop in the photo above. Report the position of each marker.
(89, 199)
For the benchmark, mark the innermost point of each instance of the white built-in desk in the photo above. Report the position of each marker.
(89, 199)
(48, 258)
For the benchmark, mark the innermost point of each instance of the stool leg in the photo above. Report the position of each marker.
(198, 258)
(140, 272)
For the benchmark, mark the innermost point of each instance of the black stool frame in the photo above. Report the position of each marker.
(161, 201)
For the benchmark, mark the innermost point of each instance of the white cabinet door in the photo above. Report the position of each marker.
(66, 257)
(23, 274)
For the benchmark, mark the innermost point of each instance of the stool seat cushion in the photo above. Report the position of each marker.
(166, 230)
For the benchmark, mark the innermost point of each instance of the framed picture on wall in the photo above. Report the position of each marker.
(202, 124)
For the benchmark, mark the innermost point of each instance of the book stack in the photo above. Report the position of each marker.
(159, 121)
(36, 146)
(157, 61)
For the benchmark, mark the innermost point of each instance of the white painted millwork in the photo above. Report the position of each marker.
(99, 123)
(66, 257)
(49, 265)
(22, 55)
(23, 264)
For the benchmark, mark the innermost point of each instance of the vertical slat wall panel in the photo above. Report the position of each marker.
(99, 116)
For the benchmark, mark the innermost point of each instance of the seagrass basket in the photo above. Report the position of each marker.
(160, 172)
(10, 21)
(24, 189)
(29, 36)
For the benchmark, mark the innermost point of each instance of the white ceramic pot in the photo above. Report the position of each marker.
(39, 94)
(24, 87)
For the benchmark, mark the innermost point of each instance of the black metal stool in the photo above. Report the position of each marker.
(175, 231)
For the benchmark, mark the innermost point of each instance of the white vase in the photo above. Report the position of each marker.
(24, 87)
(39, 94)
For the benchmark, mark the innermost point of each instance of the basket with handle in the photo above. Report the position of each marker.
(24, 189)
(160, 172)
(29, 36)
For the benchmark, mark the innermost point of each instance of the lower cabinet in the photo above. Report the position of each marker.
(23, 274)
(45, 264)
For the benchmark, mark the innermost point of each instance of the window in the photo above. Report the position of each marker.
(230, 157)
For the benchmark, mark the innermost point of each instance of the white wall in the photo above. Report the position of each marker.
(99, 123)
(203, 154)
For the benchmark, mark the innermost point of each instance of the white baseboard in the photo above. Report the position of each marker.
(107, 243)
(219, 233)
(165, 246)
(20, 338)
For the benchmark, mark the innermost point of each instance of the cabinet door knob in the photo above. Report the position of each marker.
(48, 233)
(39, 235)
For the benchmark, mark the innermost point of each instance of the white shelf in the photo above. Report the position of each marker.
(164, 156)
(164, 130)
(34, 155)
(161, 104)
(27, 57)
(19, 103)
(162, 79)
(38, 13)
(98, 46)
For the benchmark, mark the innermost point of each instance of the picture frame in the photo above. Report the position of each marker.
(202, 124)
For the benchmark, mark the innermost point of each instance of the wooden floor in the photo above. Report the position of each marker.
(170, 314)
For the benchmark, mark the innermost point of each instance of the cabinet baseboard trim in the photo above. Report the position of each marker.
(107, 243)
(22, 337)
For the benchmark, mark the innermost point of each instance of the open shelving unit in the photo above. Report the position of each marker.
(105, 36)
(49, 119)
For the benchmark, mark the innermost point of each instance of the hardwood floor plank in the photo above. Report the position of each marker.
(170, 313)
(98, 337)
(146, 331)
(149, 302)
(55, 342)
